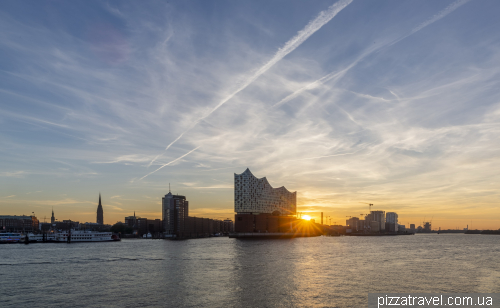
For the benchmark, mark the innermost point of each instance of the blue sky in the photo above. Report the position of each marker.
(387, 102)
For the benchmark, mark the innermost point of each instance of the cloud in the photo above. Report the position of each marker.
(313, 26)
(15, 174)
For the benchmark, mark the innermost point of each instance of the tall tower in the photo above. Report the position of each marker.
(100, 218)
(52, 219)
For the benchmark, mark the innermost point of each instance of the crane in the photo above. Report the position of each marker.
(369, 206)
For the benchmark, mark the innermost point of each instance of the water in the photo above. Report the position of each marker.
(223, 272)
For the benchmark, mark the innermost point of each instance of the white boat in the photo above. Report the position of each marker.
(7, 238)
(85, 236)
(38, 238)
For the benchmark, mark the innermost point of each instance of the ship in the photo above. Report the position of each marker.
(7, 238)
(85, 236)
(74, 236)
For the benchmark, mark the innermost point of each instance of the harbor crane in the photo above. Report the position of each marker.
(369, 206)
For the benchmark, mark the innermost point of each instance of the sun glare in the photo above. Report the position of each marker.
(306, 217)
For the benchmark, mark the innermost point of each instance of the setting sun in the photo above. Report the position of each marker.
(306, 217)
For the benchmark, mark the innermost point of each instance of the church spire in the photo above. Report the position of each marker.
(168, 187)
(100, 214)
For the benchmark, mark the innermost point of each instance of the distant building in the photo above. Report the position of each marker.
(53, 218)
(131, 220)
(175, 210)
(391, 222)
(228, 226)
(401, 228)
(427, 227)
(353, 224)
(412, 228)
(379, 218)
(94, 226)
(154, 226)
(176, 222)
(100, 213)
(391, 217)
(14, 223)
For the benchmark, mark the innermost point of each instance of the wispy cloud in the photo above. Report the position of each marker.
(15, 174)
(313, 26)
(336, 75)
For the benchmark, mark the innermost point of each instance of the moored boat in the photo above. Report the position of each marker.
(85, 236)
(7, 238)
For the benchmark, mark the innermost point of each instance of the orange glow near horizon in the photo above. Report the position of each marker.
(306, 217)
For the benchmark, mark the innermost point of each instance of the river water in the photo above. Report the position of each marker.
(223, 272)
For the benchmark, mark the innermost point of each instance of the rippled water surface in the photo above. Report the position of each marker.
(223, 272)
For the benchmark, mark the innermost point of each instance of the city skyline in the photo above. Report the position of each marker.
(345, 102)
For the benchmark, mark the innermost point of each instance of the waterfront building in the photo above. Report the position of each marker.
(228, 226)
(257, 196)
(175, 210)
(391, 217)
(427, 227)
(264, 211)
(376, 216)
(391, 222)
(353, 224)
(53, 218)
(131, 220)
(100, 213)
(154, 226)
(14, 223)
(412, 228)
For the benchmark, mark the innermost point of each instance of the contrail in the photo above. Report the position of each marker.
(313, 26)
(338, 74)
(333, 75)
(450, 8)
(168, 146)
(173, 161)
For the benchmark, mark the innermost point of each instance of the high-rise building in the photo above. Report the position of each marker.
(257, 196)
(100, 213)
(391, 222)
(391, 217)
(353, 224)
(376, 216)
(175, 211)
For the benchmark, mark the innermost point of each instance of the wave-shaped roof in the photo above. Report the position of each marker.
(247, 171)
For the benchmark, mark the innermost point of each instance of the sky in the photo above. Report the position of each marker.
(394, 103)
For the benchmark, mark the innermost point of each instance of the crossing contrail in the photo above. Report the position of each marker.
(173, 161)
(336, 75)
(313, 26)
